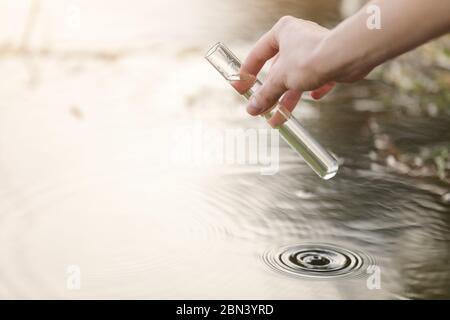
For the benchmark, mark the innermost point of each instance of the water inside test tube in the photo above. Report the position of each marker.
(324, 164)
(321, 161)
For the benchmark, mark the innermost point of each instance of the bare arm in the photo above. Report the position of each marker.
(310, 57)
(405, 24)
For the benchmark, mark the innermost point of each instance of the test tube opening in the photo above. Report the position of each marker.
(224, 61)
(213, 49)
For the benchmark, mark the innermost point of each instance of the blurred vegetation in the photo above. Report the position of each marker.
(423, 75)
(421, 83)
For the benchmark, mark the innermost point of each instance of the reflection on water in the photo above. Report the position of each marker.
(87, 178)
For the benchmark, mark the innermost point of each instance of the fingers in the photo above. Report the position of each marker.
(269, 94)
(323, 90)
(244, 82)
(265, 48)
(272, 89)
(290, 99)
(288, 102)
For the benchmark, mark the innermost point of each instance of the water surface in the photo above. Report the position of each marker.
(87, 124)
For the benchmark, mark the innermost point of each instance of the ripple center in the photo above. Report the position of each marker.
(315, 260)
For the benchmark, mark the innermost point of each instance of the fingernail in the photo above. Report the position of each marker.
(253, 107)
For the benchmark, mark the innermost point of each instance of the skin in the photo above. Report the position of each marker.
(308, 57)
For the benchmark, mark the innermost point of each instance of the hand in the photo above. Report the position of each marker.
(308, 57)
(294, 45)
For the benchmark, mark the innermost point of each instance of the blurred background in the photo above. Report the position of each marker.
(91, 93)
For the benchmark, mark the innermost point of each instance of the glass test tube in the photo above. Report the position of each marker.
(320, 160)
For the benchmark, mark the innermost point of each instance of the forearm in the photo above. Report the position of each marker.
(405, 24)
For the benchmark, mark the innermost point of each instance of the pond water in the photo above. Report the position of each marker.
(92, 113)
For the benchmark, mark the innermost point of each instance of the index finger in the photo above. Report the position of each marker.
(264, 49)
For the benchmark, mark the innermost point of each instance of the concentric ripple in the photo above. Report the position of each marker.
(316, 260)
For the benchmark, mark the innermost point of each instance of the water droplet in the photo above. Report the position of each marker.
(316, 260)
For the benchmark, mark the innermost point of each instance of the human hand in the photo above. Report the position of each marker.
(295, 46)
(308, 57)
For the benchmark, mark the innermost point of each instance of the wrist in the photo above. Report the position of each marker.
(327, 59)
